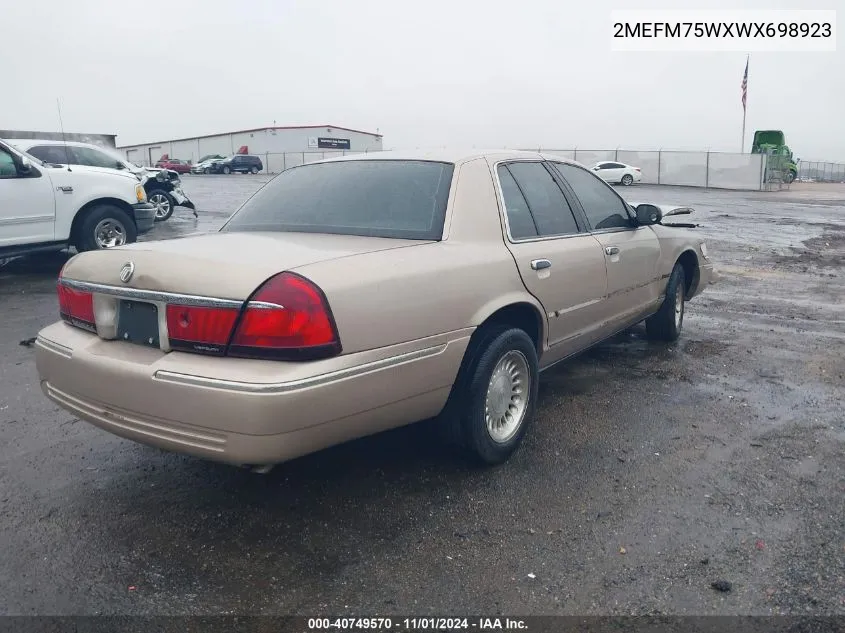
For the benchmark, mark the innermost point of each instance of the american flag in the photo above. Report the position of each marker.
(745, 85)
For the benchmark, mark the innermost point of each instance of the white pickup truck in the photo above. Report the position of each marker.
(50, 207)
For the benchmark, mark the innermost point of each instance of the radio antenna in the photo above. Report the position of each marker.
(64, 139)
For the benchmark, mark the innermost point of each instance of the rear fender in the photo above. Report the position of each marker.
(494, 305)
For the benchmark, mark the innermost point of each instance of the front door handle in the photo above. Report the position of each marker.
(611, 250)
(540, 264)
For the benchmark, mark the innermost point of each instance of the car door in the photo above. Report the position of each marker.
(631, 252)
(560, 263)
(27, 202)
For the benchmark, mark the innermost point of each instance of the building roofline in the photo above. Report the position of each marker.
(255, 129)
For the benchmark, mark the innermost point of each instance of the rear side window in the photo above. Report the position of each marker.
(549, 209)
(520, 222)
(378, 198)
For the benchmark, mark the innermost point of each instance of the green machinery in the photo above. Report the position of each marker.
(781, 163)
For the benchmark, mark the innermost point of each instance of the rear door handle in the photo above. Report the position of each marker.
(611, 250)
(540, 264)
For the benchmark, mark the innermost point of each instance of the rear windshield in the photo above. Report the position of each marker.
(375, 198)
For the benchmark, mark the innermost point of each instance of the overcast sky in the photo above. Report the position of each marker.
(532, 73)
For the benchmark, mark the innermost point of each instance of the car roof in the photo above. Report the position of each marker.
(32, 142)
(456, 156)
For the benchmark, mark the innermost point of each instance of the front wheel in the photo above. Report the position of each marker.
(164, 204)
(253, 170)
(627, 180)
(666, 324)
(105, 226)
(226, 169)
(493, 399)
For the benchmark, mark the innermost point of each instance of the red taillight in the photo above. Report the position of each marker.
(200, 329)
(76, 307)
(287, 317)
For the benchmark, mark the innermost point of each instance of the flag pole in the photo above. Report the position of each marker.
(744, 109)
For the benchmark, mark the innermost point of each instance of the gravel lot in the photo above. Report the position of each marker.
(651, 473)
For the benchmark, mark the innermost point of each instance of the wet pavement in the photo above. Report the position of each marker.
(652, 471)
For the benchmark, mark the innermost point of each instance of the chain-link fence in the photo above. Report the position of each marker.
(815, 171)
(668, 167)
(722, 170)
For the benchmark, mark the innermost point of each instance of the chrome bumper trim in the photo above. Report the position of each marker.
(302, 383)
(152, 295)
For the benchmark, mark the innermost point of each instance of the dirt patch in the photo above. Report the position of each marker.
(825, 251)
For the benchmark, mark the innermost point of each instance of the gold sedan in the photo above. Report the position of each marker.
(360, 294)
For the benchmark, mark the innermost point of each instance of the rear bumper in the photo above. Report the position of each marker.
(243, 411)
(145, 216)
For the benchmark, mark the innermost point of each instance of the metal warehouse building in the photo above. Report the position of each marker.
(278, 147)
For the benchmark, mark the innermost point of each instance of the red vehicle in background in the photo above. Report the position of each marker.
(175, 164)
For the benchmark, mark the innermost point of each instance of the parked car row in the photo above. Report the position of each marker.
(215, 164)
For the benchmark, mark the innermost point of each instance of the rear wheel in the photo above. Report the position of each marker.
(226, 169)
(627, 180)
(666, 324)
(105, 226)
(164, 204)
(492, 401)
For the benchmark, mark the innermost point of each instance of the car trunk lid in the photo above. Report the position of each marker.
(222, 265)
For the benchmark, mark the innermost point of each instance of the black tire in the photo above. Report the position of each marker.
(463, 421)
(253, 170)
(154, 196)
(86, 234)
(627, 180)
(667, 323)
(205, 170)
(226, 169)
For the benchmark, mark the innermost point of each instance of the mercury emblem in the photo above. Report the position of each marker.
(126, 272)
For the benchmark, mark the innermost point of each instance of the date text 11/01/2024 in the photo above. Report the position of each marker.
(416, 624)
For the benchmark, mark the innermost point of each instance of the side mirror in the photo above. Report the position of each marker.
(648, 214)
(25, 166)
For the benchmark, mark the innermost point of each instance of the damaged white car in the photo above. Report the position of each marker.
(163, 186)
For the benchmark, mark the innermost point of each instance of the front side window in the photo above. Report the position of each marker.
(93, 158)
(8, 169)
(403, 199)
(549, 209)
(603, 208)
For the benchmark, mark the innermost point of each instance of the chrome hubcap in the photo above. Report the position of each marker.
(162, 204)
(507, 396)
(110, 233)
(679, 307)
